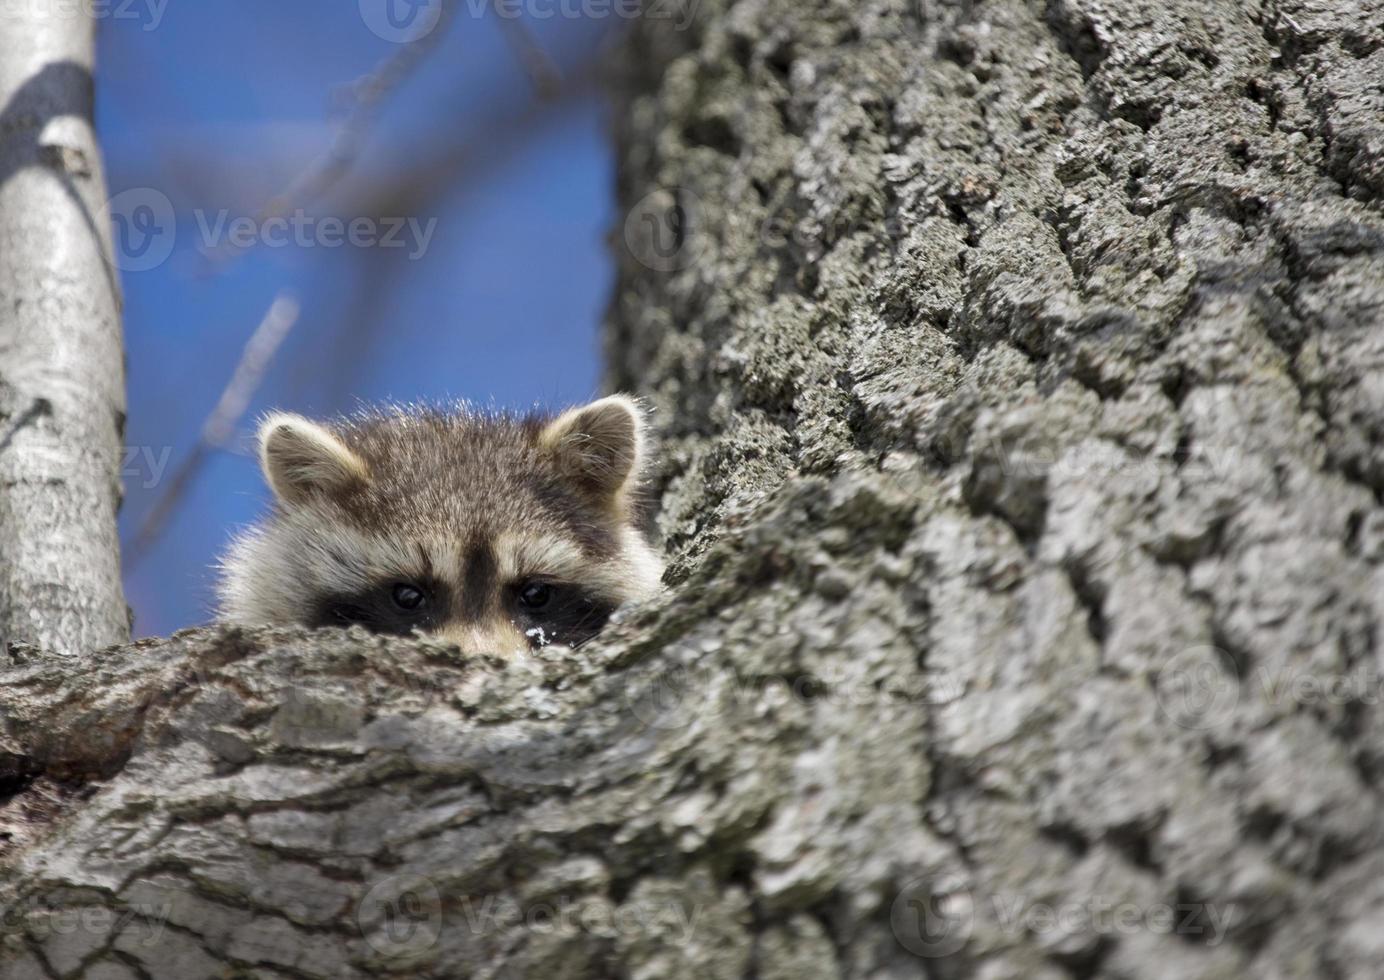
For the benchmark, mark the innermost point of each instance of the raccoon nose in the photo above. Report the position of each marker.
(499, 639)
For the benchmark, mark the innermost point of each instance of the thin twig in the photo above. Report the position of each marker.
(417, 188)
(420, 182)
(220, 427)
(364, 97)
(542, 70)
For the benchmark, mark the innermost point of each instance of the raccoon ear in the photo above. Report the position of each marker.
(600, 445)
(301, 458)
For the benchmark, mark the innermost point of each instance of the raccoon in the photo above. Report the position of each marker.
(496, 532)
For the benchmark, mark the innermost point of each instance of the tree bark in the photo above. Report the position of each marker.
(1020, 368)
(62, 396)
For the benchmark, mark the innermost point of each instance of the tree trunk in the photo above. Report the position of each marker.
(1021, 370)
(62, 393)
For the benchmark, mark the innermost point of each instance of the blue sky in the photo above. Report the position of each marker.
(219, 105)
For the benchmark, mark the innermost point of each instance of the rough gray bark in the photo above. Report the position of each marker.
(62, 394)
(1021, 365)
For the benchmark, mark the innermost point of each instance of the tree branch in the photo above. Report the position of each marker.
(220, 426)
(62, 402)
(363, 100)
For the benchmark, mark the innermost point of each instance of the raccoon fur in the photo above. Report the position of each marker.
(499, 533)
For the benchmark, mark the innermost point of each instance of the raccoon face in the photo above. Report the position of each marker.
(496, 533)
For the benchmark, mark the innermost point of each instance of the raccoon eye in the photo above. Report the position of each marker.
(535, 595)
(407, 596)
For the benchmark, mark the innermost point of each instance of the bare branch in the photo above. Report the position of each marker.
(439, 168)
(259, 351)
(416, 189)
(542, 70)
(220, 426)
(363, 99)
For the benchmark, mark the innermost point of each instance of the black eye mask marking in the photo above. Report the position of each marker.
(568, 615)
(397, 606)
